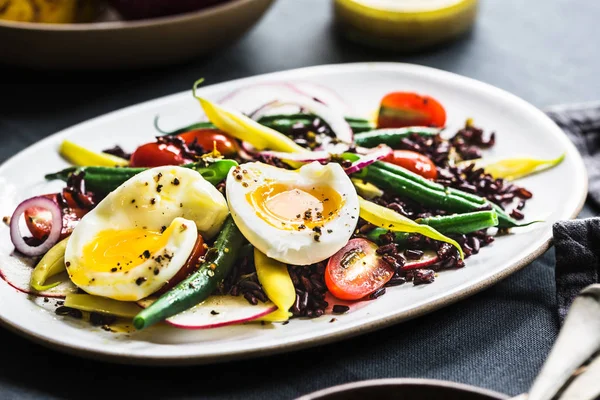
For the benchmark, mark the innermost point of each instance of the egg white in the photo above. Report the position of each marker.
(175, 200)
(292, 246)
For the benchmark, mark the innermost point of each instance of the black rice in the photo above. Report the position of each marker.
(243, 281)
(423, 276)
(378, 293)
(311, 289)
(340, 309)
(68, 311)
(118, 152)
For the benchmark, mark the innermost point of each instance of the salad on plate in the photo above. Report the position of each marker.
(280, 204)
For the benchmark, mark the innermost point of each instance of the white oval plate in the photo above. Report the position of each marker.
(521, 130)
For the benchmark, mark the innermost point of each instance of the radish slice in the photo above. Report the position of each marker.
(17, 274)
(217, 311)
(429, 257)
(376, 154)
(15, 231)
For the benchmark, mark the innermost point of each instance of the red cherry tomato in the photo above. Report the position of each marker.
(356, 271)
(206, 139)
(156, 155)
(39, 220)
(190, 266)
(400, 109)
(413, 161)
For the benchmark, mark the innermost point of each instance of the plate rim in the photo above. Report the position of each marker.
(404, 381)
(210, 11)
(444, 300)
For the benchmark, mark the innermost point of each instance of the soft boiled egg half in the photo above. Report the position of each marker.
(297, 217)
(143, 232)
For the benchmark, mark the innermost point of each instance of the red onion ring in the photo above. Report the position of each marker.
(377, 154)
(273, 90)
(245, 155)
(324, 95)
(320, 156)
(336, 121)
(262, 110)
(248, 148)
(15, 232)
(277, 94)
(265, 109)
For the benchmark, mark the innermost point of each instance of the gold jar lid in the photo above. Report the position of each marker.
(405, 25)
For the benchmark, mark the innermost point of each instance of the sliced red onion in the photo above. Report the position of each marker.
(248, 148)
(247, 98)
(336, 148)
(325, 95)
(277, 94)
(262, 110)
(267, 109)
(15, 232)
(244, 155)
(321, 156)
(336, 121)
(378, 153)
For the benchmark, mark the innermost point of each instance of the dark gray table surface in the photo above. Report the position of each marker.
(545, 52)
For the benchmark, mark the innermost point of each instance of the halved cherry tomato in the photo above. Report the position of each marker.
(413, 161)
(39, 223)
(356, 271)
(206, 137)
(400, 109)
(157, 155)
(190, 266)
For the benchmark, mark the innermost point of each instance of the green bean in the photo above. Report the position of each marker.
(425, 195)
(282, 123)
(477, 202)
(201, 284)
(197, 125)
(399, 237)
(391, 137)
(103, 180)
(462, 223)
(446, 224)
(403, 172)
(215, 172)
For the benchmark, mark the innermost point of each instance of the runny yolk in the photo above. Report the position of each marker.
(122, 249)
(293, 208)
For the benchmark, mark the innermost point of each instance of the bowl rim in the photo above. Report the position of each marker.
(132, 24)
(404, 381)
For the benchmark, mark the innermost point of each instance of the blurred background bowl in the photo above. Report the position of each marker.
(117, 44)
(404, 25)
(404, 389)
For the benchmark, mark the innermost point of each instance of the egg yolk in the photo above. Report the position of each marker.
(286, 207)
(122, 250)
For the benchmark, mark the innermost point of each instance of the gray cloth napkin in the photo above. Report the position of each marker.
(577, 243)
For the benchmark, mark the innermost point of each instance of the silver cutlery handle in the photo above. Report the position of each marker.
(586, 386)
(578, 340)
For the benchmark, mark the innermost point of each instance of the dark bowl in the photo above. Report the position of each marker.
(404, 389)
(119, 44)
